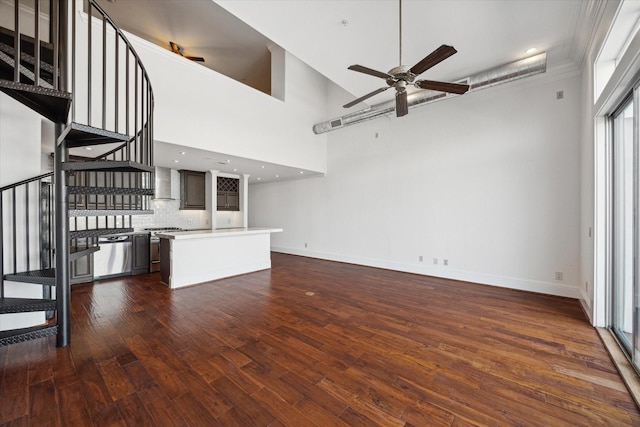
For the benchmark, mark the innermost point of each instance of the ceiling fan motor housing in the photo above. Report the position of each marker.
(400, 73)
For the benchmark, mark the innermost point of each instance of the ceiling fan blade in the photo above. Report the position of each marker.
(434, 58)
(370, 71)
(402, 109)
(195, 58)
(175, 48)
(442, 86)
(367, 96)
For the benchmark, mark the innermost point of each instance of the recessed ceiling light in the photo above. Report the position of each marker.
(301, 172)
(277, 176)
(531, 50)
(228, 161)
(259, 179)
(88, 148)
(262, 166)
(176, 161)
(235, 170)
(183, 153)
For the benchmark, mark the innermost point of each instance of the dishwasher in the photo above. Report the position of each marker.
(114, 257)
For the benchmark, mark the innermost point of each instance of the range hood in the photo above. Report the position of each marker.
(163, 184)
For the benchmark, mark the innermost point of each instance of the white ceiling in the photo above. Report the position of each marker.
(486, 33)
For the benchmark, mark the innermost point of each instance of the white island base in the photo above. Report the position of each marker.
(193, 257)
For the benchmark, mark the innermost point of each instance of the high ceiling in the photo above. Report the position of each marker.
(330, 35)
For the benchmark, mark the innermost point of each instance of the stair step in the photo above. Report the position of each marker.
(108, 166)
(79, 135)
(50, 103)
(111, 191)
(15, 336)
(24, 305)
(82, 251)
(7, 37)
(108, 212)
(79, 234)
(45, 277)
(7, 64)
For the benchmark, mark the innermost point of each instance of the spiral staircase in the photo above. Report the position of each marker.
(70, 63)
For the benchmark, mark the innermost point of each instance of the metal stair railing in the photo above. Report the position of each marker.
(118, 96)
(26, 235)
(112, 107)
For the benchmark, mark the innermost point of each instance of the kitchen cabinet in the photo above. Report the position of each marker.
(228, 194)
(81, 270)
(192, 190)
(140, 256)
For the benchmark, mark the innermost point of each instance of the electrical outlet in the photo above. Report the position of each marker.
(445, 262)
(435, 261)
(420, 258)
(559, 275)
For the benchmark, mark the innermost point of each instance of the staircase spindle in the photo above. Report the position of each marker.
(104, 72)
(15, 234)
(26, 221)
(36, 44)
(55, 40)
(117, 83)
(89, 60)
(1, 247)
(16, 43)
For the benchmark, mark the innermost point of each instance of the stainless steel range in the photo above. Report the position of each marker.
(155, 245)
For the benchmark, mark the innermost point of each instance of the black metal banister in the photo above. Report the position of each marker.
(26, 181)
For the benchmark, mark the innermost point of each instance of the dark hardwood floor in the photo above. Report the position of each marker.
(369, 347)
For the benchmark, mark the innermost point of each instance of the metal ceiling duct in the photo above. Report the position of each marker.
(503, 74)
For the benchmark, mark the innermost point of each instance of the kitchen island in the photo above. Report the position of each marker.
(193, 257)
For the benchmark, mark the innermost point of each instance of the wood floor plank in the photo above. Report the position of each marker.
(370, 347)
(71, 404)
(115, 379)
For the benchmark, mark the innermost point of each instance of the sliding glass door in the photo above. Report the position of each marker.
(624, 317)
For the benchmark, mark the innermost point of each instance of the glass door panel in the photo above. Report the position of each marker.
(623, 226)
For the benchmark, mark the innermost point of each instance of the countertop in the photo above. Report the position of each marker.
(220, 232)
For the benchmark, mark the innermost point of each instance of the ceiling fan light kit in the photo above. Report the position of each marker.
(402, 75)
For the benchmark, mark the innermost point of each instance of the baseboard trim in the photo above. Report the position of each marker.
(557, 289)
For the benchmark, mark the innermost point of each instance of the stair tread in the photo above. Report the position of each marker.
(82, 251)
(108, 165)
(45, 276)
(24, 305)
(80, 135)
(98, 232)
(50, 103)
(110, 190)
(15, 336)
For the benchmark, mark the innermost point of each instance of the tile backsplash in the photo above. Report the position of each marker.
(167, 213)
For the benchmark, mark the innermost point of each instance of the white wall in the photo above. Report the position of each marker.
(197, 107)
(488, 181)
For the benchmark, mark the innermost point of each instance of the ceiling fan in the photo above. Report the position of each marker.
(177, 49)
(403, 75)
